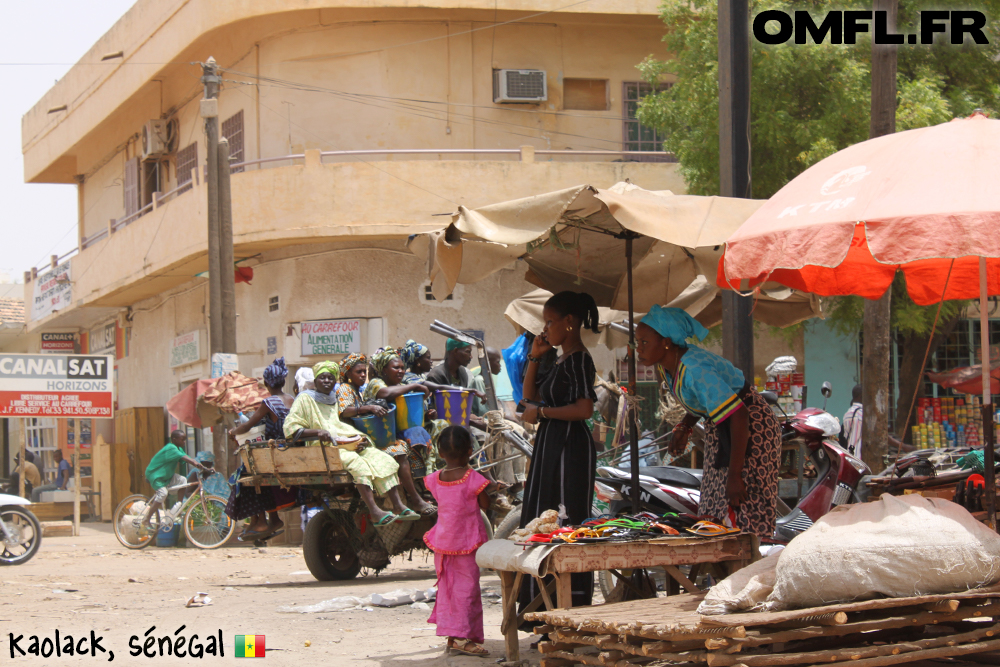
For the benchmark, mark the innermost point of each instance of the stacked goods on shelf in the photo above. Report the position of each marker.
(864, 634)
(949, 422)
(789, 388)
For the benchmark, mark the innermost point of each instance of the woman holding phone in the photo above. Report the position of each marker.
(559, 400)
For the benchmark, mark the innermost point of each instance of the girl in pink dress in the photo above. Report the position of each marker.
(460, 492)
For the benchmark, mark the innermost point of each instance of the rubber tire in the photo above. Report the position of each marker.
(24, 513)
(510, 523)
(117, 519)
(221, 503)
(488, 524)
(319, 531)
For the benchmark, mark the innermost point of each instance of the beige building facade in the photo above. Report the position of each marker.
(351, 126)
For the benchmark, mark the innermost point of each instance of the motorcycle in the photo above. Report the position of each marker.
(673, 489)
(20, 531)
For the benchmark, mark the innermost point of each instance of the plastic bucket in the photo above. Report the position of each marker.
(409, 411)
(454, 406)
(168, 538)
(382, 430)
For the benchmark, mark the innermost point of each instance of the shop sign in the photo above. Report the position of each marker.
(53, 291)
(58, 343)
(56, 385)
(185, 349)
(331, 337)
(102, 339)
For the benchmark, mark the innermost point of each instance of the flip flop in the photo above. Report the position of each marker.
(250, 535)
(409, 515)
(387, 519)
(709, 529)
(430, 511)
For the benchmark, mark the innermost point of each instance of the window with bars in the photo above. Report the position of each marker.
(132, 192)
(635, 135)
(187, 159)
(232, 130)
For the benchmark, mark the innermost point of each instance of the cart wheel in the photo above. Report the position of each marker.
(327, 549)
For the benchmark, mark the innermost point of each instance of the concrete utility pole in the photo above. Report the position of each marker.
(877, 335)
(210, 112)
(226, 258)
(734, 163)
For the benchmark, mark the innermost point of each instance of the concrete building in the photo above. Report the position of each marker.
(351, 126)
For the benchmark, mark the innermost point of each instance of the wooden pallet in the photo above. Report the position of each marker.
(866, 634)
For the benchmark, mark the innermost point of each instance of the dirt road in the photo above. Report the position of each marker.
(90, 583)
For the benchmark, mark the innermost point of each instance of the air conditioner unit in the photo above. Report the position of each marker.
(519, 86)
(155, 139)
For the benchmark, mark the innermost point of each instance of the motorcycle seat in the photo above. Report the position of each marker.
(684, 477)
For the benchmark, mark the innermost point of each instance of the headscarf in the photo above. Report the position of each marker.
(349, 362)
(275, 374)
(675, 324)
(302, 376)
(382, 358)
(205, 457)
(326, 367)
(412, 351)
(453, 344)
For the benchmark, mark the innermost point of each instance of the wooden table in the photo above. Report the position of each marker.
(733, 553)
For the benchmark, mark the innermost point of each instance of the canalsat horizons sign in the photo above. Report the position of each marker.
(56, 385)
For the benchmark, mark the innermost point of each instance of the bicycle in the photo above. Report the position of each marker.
(206, 524)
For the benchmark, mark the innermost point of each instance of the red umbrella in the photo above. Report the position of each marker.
(925, 202)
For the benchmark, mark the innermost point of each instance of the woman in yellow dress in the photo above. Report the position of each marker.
(315, 416)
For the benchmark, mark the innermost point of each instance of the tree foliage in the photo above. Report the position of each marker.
(807, 102)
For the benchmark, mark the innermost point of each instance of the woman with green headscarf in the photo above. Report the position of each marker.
(315, 416)
(742, 435)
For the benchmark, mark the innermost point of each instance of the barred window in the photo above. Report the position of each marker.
(635, 135)
(232, 129)
(187, 159)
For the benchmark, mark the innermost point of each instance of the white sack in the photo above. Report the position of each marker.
(744, 590)
(897, 546)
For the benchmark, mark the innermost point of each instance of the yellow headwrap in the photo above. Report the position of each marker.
(326, 367)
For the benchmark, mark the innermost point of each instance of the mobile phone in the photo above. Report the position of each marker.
(525, 403)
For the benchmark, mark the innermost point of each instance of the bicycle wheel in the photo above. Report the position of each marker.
(128, 517)
(206, 524)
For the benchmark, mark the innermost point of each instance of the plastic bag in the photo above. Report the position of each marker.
(515, 361)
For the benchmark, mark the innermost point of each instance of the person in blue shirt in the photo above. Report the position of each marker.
(742, 436)
(64, 472)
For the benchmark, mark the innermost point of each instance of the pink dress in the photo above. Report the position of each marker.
(459, 532)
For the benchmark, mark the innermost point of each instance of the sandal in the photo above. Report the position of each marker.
(387, 519)
(430, 510)
(466, 647)
(710, 529)
(409, 515)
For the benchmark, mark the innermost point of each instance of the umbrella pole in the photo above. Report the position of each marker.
(633, 429)
(988, 454)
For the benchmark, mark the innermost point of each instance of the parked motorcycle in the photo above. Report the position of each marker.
(673, 489)
(19, 530)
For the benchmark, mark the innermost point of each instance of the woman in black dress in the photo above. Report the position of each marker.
(563, 467)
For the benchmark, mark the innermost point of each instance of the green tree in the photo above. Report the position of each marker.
(808, 102)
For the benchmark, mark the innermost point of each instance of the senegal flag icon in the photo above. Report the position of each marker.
(249, 646)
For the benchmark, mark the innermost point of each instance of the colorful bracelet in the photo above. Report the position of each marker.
(535, 360)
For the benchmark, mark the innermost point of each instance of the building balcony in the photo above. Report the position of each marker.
(327, 197)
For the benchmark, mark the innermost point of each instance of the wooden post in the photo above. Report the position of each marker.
(875, 397)
(76, 476)
(734, 163)
(20, 466)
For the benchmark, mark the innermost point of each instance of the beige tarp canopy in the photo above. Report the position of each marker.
(573, 239)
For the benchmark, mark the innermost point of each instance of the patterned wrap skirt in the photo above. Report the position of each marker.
(760, 471)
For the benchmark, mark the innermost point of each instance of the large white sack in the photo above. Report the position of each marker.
(743, 590)
(897, 546)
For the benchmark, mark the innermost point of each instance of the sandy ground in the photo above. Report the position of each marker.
(91, 583)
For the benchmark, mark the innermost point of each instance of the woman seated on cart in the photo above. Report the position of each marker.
(353, 377)
(315, 416)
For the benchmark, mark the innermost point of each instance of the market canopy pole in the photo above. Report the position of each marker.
(877, 345)
(734, 163)
(632, 412)
(988, 433)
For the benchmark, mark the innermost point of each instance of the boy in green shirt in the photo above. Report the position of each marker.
(161, 473)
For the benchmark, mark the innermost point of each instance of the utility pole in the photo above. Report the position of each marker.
(734, 163)
(216, 327)
(226, 259)
(877, 335)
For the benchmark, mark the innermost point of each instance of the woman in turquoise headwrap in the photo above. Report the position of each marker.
(417, 361)
(742, 435)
